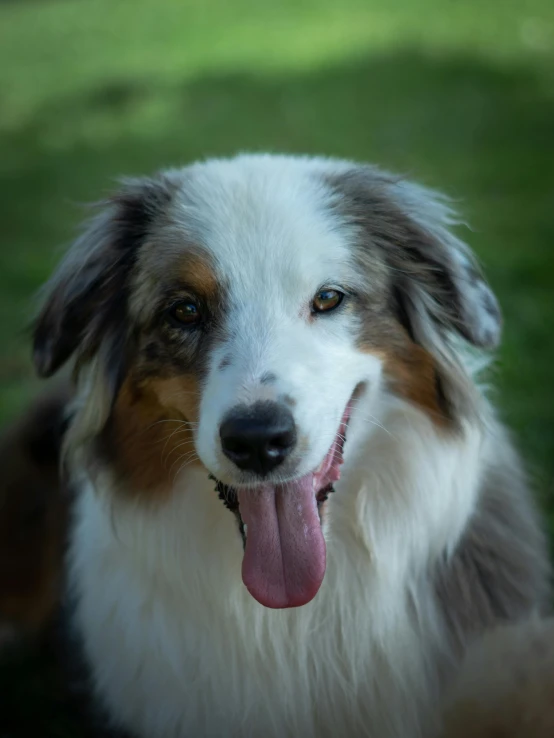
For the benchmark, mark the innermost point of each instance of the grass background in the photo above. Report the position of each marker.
(458, 93)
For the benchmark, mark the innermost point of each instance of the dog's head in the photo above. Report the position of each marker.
(230, 314)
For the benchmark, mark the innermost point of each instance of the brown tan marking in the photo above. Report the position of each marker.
(413, 375)
(197, 271)
(149, 435)
(410, 369)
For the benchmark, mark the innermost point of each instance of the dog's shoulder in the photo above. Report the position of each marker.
(499, 571)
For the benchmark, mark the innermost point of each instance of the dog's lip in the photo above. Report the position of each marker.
(284, 479)
(228, 493)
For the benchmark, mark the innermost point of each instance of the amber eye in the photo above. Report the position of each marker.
(186, 313)
(326, 300)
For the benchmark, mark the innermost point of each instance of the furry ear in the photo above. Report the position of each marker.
(441, 274)
(437, 283)
(86, 300)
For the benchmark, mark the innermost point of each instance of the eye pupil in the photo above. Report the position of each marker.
(185, 313)
(327, 300)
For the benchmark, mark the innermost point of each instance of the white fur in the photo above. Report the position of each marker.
(177, 645)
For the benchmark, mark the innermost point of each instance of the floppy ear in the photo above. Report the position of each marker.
(441, 274)
(86, 300)
(436, 280)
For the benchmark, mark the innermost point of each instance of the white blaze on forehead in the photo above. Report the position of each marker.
(269, 225)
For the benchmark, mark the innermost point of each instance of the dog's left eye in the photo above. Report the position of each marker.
(326, 300)
(186, 313)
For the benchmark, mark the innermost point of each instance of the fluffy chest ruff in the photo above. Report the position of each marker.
(179, 647)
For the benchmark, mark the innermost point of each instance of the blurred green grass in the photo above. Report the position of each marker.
(459, 95)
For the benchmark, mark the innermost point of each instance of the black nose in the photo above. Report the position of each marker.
(259, 437)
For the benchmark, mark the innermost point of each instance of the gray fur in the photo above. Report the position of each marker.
(91, 284)
(410, 227)
(500, 571)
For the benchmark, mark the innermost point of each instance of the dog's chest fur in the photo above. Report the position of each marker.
(179, 648)
(207, 660)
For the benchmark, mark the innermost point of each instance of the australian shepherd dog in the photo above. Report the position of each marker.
(294, 505)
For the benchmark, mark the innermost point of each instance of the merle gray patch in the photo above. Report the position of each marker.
(421, 257)
(500, 571)
(86, 306)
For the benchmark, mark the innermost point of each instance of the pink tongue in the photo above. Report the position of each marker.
(284, 561)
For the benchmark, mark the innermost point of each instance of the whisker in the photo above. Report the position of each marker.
(186, 455)
(180, 445)
(181, 421)
(189, 459)
(371, 419)
(168, 439)
(177, 431)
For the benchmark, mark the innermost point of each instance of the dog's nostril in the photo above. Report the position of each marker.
(282, 441)
(258, 438)
(235, 447)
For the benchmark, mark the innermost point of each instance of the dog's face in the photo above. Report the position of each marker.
(274, 316)
(233, 313)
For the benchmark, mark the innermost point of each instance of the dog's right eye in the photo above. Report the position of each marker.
(326, 300)
(185, 313)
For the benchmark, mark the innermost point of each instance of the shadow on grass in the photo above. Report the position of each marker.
(481, 132)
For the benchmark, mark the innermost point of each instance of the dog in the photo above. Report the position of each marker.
(34, 509)
(294, 504)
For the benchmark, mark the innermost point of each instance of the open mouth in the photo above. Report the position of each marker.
(284, 548)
